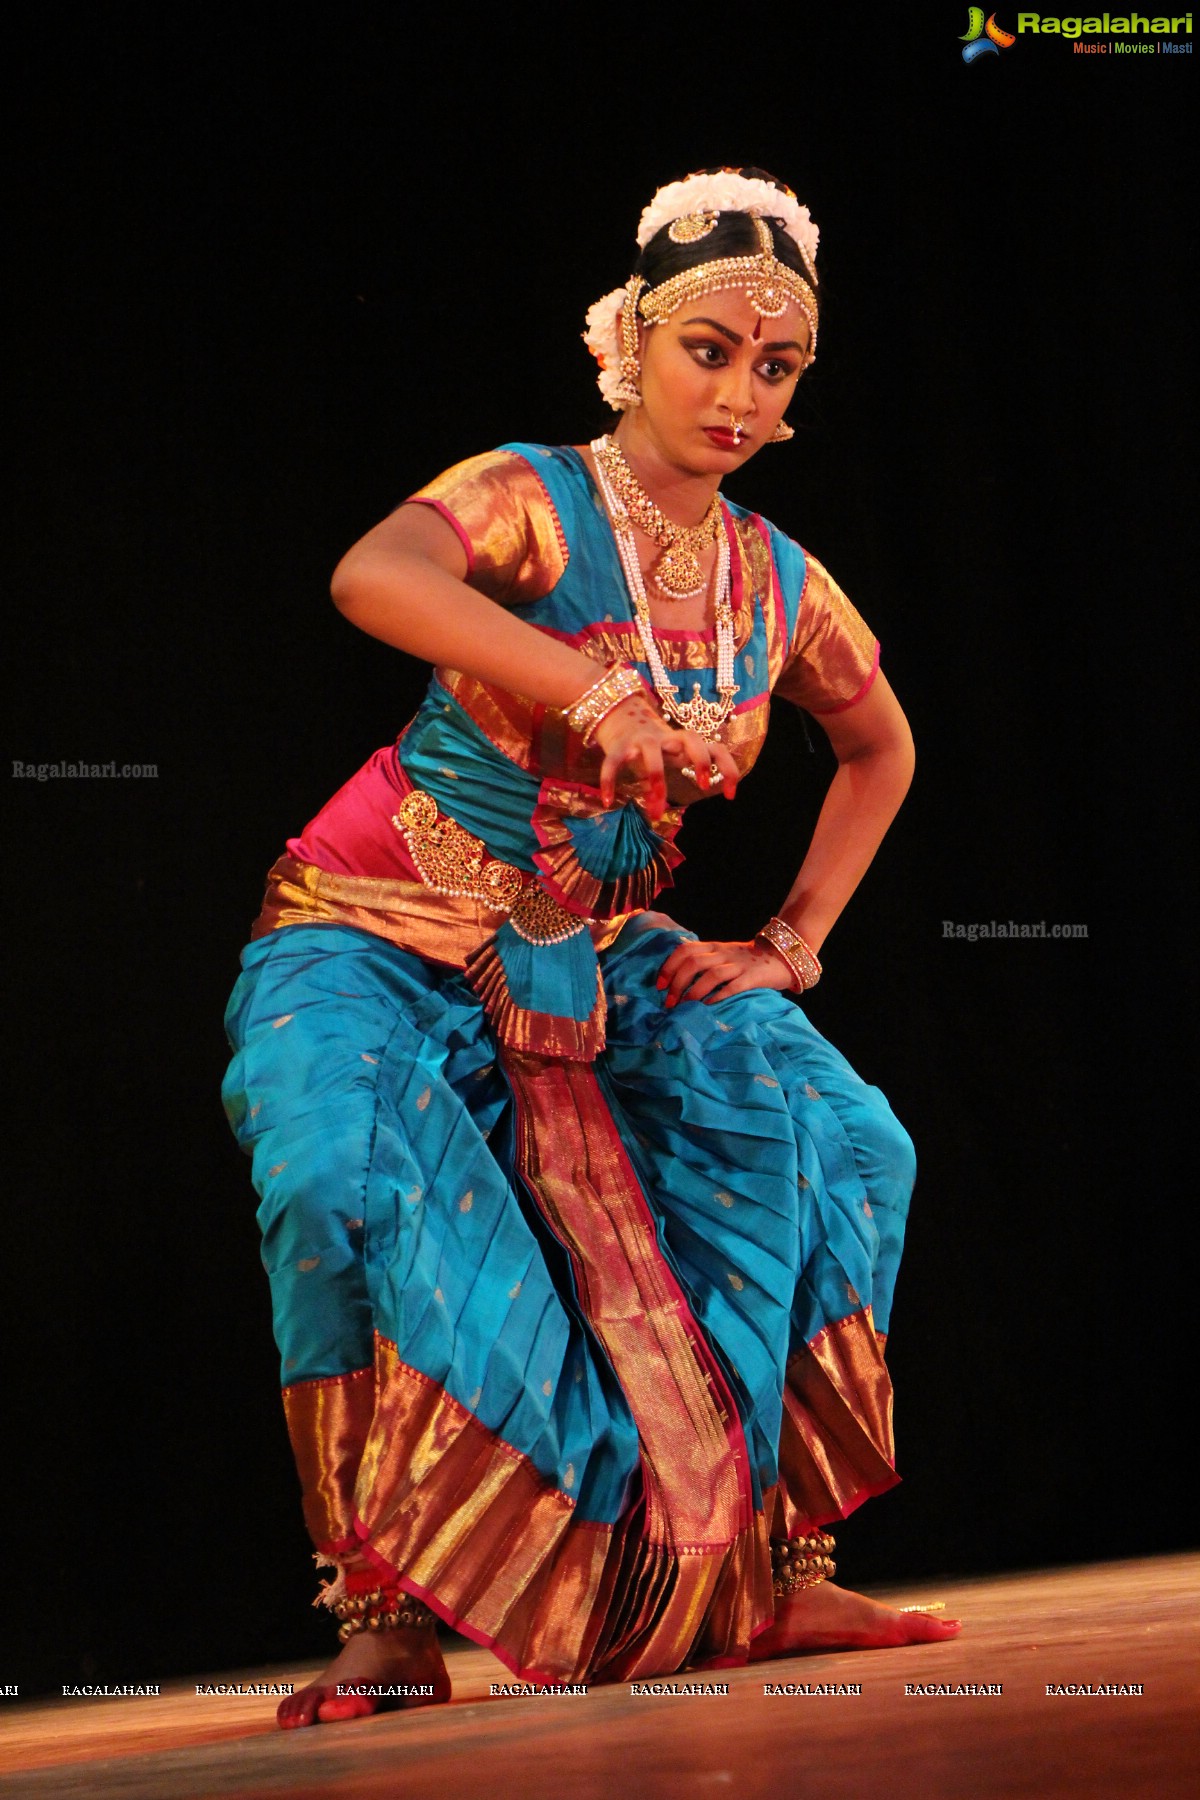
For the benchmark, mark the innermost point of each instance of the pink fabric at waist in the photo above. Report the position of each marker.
(353, 833)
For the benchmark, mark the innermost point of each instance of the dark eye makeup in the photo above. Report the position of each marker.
(711, 355)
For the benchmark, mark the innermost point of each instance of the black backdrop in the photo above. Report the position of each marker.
(275, 271)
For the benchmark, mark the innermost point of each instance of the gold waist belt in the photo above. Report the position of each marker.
(462, 899)
(452, 861)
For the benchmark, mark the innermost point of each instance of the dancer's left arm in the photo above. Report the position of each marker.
(874, 750)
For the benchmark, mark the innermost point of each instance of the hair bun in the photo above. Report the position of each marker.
(731, 190)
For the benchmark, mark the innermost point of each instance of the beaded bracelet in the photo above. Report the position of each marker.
(618, 683)
(788, 944)
(798, 1563)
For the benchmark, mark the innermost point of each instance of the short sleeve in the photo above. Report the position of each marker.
(516, 549)
(834, 654)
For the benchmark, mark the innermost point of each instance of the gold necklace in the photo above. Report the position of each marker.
(697, 714)
(677, 571)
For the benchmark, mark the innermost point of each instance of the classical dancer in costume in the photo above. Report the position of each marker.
(581, 1239)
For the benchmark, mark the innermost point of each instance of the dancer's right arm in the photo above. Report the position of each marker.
(404, 582)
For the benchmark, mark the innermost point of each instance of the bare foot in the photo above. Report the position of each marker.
(827, 1617)
(393, 1668)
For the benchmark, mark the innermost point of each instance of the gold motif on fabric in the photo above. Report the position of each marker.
(450, 859)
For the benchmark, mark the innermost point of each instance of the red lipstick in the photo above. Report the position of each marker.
(726, 440)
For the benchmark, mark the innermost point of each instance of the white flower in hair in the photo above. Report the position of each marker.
(730, 192)
(603, 339)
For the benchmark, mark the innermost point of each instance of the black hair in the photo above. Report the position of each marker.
(733, 235)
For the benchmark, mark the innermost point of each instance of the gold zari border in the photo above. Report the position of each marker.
(835, 1446)
(444, 928)
(391, 1463)
(328, 1420)
(683, 1584)
(470, 1526)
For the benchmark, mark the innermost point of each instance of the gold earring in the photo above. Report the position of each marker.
(782, 432)
(628, 389)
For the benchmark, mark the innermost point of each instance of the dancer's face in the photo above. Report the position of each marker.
(714, 361)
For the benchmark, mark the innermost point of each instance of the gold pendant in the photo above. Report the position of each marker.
(678, 572)
(703, 716)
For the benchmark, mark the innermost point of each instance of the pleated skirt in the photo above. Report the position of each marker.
(563, 1344)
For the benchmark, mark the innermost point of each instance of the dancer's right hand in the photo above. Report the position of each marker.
(636, 738)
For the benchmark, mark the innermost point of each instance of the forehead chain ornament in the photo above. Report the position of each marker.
(768, 283)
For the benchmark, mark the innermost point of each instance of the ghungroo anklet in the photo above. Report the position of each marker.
(802, 1562)
(381, 1609)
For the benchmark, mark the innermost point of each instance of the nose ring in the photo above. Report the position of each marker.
(737, 426)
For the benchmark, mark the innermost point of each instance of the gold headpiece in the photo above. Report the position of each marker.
(692, 227)
(769, 284)
(690, 210)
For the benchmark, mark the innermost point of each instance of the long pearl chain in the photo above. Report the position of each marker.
(697, 714)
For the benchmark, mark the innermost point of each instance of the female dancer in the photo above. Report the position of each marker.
(581, 1239)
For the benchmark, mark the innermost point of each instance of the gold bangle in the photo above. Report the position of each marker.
(617, 683)
(788, 944)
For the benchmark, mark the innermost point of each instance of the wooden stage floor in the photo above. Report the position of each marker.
(1129, 1624)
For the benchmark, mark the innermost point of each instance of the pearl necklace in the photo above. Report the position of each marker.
(697, 714)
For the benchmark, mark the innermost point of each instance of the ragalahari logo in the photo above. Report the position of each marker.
(980, 39)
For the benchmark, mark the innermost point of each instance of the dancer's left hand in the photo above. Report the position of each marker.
(714, 971)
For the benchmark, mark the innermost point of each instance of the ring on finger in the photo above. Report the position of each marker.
(714, 774)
